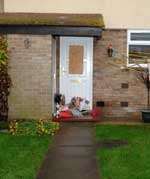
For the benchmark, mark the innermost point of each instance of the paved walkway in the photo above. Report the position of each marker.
(73, 155)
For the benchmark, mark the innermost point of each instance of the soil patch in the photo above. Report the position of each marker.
(111, 143)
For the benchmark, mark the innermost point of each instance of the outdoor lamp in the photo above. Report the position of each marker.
(110, 50)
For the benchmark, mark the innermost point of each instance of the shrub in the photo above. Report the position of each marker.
(5, 81)
(40, 127)
(47, 127)
(13, 127)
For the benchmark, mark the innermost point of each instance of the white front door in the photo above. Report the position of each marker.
(76, 67)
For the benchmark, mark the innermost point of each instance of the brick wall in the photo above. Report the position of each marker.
(108, 79)
(30, 70)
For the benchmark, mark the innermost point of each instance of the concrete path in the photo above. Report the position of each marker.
(73, 155)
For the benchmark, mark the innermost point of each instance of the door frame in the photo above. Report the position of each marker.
(89, 40)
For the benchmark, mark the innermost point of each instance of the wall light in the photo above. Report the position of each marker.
(110, 50)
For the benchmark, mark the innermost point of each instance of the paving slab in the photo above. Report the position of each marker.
(73, 154)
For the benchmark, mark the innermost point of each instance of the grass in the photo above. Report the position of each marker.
(21, 156)
(126, 162)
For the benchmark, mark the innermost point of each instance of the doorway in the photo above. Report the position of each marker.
(76, 68)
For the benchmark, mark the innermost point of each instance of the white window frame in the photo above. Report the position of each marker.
(135, 42)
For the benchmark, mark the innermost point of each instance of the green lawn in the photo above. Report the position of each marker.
(126, 162)
(21, 156)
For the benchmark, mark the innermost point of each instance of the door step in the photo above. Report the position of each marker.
(77, 119)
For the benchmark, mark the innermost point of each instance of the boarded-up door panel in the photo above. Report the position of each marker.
(76, 55)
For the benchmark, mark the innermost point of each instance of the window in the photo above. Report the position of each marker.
(138, 46)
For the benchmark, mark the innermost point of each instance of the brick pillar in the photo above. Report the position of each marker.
(30, 70)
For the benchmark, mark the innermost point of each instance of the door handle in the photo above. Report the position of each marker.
(76, 81)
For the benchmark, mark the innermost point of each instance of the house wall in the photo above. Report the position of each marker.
(117, 13)
(30, 70)
(1, 5)
(108, 78)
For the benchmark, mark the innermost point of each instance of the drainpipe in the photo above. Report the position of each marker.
(148, 85)
(1, 6)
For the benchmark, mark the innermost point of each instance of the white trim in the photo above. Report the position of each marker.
(135, 42)
(53, 72)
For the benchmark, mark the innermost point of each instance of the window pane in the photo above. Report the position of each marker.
(140, 36)
(139, 53)
(76, 53)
